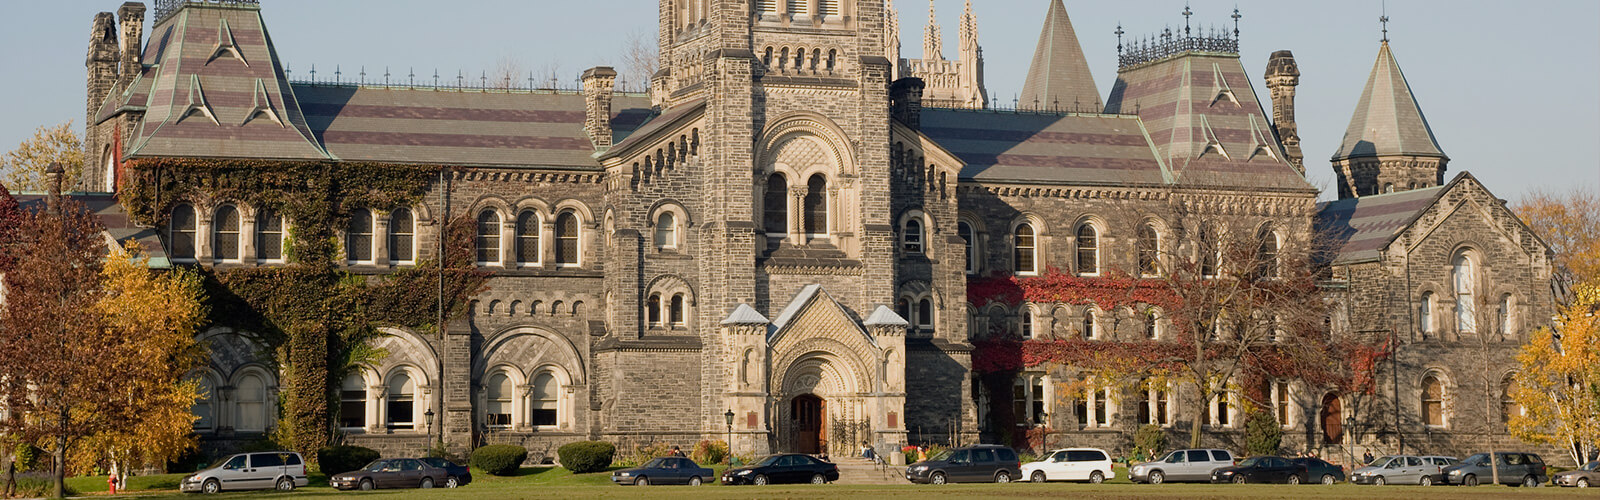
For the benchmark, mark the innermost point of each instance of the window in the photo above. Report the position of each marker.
(225, 234)
(402, 400)
(1091, 330)
(1210, 251)
(205, 417)
(488, 238)
(911, 236)
(402, 237)
(1022, 241)
(544, 400)
(902, 307)
(815, 206)
(776, 202)
(353, 402)
(1097, 405)
(1466, 317)
(567, 239)
(498, 395)
(1028, 400)
(1280, 402)
(653, 309)
(251, 404)
(1219, 410)
(766, 6)
(269, 236)
(1149, 256)
(1432, 402)
(528, 227)
(969, 238)
(358, 237)
(1152, 325)
(1425, 315)
(925, 314)
(676, 315)
(1027, 324)
(1504, 317)
(180, 232)
(828, 8)
(1156, 407)
(1266, 253)
(666, 231)
(1088, 250)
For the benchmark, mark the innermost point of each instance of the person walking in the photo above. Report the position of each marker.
(676, 452)
(1366, 458)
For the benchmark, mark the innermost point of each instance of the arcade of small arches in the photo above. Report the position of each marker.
(531, 234)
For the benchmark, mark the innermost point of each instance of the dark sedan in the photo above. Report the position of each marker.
(1261, 470)
(788, 468)
(1320, 471)
(455, 474)
(391, 473)
(664, 470)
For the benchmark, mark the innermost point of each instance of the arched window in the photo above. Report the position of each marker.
(911, 236)
(528, 227)
(776, 206)
(676, 312)
(497, 392)
(205, 416)
(1508, 404)
(1210, 251)
(1022, 243)
(545, 399)
(1425, 315)
(653, 310)
(816, 206)
(1149, 258)
(250, 413)
(1152, 324)
(269, 236)
(666, 231)
(353, 401)
(1088, 250)
(488, 238)
(1432, 402)
(1388, 188)
(969, 239)
(1463, 278)
(1266, 252)
(902, 307)
(180, 232)
(925, 314)
(358, 237)
(1027, 324)
(567, 239)
(402, 402)
(402, 237)
(225, 234)
(1091, 328)
(1505, 316)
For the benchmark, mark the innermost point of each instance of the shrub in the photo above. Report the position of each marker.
(1262, 434)
(341, 459)
(710, 451)
(499, 459)
(1150, 441)
(587, 456)
(40, 484)
(643, 453)
(27, 457)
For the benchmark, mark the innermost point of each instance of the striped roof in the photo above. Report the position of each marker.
(1046, 147)
(1387, 120)
(1362, 227)
(1059, 76)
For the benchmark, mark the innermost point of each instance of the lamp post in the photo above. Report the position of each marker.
(728, 418)
(428, 418)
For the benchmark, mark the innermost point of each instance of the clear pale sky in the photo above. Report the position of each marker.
(1511, 89)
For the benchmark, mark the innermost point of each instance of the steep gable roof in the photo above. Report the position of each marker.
(1059, 76)
(1362, 227)
(1387, 119)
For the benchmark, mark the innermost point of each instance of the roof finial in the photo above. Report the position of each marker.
(1236, 17)
(1119, 33)
(1186, 14)
(1384, 19)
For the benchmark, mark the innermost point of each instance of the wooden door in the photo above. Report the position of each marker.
(1332, 426)
(810, 420)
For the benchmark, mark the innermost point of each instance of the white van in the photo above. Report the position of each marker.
(280, 470)
(1071, 464)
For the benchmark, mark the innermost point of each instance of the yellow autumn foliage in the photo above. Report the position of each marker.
(1559, 381)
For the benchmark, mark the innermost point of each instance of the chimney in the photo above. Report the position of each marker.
(597, 87)
(53, 175)
(132, 15)
(905, 101)
(1282, 77)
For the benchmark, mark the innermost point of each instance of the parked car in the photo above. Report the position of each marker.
(281, 470)
(971, 464)
(1181, 465)
(664, 470)
(1433, 468)
(1582, 477)
(391, 473)
(785, 468)
(1526, 469)
(1264, 469)
(1071, 464)
(1320, 471)
(456, 474)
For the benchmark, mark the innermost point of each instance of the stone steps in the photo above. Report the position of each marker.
(859, 471)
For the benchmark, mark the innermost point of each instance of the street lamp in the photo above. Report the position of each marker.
(428, 417)
(728, 418)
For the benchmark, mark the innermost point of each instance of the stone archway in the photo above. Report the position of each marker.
(820, 399)
(1329, 417)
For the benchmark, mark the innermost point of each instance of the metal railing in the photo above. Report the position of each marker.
(166, 8)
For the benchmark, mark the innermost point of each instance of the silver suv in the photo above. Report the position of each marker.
(1181, 465)
(280, 470)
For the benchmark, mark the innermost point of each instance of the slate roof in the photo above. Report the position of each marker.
(745, 315)
(1046, 147)
(112, 217)
(1387, 120)
(883, 316)
(1362, 227)
(1059, 75)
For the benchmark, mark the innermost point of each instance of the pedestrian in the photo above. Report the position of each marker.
(922, 453)
(675, 452)
(867, 452)
(1366, 458)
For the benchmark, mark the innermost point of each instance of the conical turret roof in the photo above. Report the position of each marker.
(1059, 76)
(1387, 120)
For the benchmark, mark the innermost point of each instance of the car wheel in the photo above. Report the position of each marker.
(936, 478)
(1327, 479)
(1002, 477)
(1380, 481)
(818, 479)
(1037, 477)
(1157, 477)
(1294, 479)
(285, 484)
(694, 481)
(1239, 479)
(1097, 477)
(760, 480)
(427, 483)
(1530, 482)
(366, 484)
(1470, 480)
(641, 481)
(1583, 482)
(211, 486)
(452, 482)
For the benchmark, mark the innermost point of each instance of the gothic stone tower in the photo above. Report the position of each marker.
(1388, 146)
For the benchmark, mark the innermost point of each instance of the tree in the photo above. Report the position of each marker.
(640, 61)
(23, 168)
(1558, 385)
(1570, 223)
(1262, 433)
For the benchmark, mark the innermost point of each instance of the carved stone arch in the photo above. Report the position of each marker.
(405, 348)
(230, 349)
(533, 203)
(529, 347)
(499, 205)
(807, 123)
(854, 373)
(685, 219)
(585, 215)
(1040, 228)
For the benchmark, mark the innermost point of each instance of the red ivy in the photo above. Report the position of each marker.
(990, 356)
(1112, 290)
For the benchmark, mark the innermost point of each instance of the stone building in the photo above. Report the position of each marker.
(774, 244)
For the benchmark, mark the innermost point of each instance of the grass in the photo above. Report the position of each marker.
(97, 484)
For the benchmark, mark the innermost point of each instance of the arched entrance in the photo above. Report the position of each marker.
(810, 422)
(1332, 426)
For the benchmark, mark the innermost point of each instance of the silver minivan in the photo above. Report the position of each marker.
(1181, 465)
(280, 470)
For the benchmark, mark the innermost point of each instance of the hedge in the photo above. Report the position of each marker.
(341, 459)
(587, 456)
(499, 459)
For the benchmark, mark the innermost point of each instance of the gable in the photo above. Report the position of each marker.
(1466, 213)
(814, 314)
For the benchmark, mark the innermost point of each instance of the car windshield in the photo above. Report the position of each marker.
(1480, 458)
(943, 455)
(655, 464)
(375, 466)
(1250, 462)
(1382, 461)
(768, 460)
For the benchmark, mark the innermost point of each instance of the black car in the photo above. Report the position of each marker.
(391, 473)
(1320, 471)
(664, 470)
(1266, 469)
(457, 475)
(786, 468)
(973, 464)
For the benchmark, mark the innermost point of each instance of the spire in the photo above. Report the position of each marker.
(932, 46)
(969, 29)
(1059, 76)
(1387, 120)
(891, 31)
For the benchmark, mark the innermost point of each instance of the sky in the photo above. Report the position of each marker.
(1511, 89)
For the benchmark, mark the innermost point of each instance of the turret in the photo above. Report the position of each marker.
(132, 27)
(101, 62)
(1282, 77)
(1388, 146)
